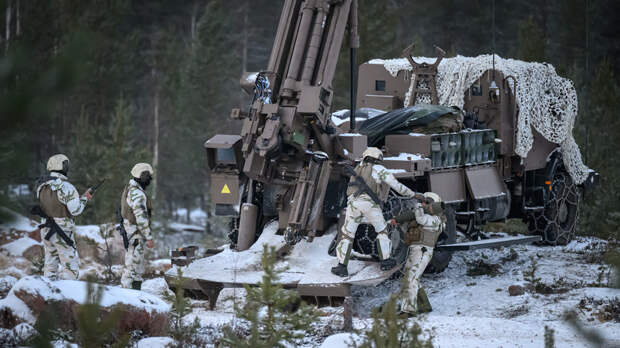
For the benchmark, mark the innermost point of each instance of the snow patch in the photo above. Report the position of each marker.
(19, 246)
(403, 156)
(24, 331)
(91, 232)
(341, 340)
(18, 222)
(208, 318)
(155, 342)
(156, 286)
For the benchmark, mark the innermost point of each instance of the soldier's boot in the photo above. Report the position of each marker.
(340, 270)
(136, 285)
(343, 251)
(424, 305)
(388, 264)
(384, 246)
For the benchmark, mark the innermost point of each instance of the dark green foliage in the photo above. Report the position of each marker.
(107, 153)
(529, 275)
(549, 337)
(181, 332)
(590, 334)
(531, 41)
(95, 330)
(276, 316)
(600, 210)
(390, 329)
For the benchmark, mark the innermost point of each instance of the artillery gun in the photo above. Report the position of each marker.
(281, 180)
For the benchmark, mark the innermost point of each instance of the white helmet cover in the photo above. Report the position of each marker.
(432, 195)
(139, 168)
(373, 152)
(55, 162)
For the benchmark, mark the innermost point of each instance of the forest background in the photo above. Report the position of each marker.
(110, 83)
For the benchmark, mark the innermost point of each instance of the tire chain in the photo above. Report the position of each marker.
(547, 223)
(365, 235)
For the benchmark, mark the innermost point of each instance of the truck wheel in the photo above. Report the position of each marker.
(556, 223)
(441, 259)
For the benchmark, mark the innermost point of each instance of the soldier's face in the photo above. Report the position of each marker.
(65, 167)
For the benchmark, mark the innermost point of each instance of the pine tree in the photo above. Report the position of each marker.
(181, 332)
(531, 41)
(268, 312)
(104, 152)
(93, 330)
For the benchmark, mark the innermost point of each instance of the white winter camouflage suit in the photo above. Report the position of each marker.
(362, 209)
(419, 257)
(138, 234)
(57, 253)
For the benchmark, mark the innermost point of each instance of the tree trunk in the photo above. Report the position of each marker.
(7, 27)
(155, 140)
(188, 208)
(193, 23)
(244, 53)
(17, 21)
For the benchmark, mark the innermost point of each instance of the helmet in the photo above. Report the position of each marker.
(432, 195)
(373, 152)
(58, 163)
(140, 168)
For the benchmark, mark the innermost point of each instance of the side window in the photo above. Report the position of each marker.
(380, 85)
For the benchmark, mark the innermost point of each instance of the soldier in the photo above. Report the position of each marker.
(60, 202)
(136, 213)
(365, 207)
(424, 225)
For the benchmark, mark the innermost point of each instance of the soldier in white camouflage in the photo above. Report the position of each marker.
(362, 208)
(136, 213)
(423, 225)
(59, 199)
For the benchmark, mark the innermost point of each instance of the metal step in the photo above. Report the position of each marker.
(489, 243)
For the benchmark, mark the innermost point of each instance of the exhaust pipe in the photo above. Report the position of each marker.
(247, 226)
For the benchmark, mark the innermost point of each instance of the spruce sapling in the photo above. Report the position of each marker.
(270, 311)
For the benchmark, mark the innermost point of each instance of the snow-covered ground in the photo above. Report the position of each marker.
(468, 310)
(478, 311)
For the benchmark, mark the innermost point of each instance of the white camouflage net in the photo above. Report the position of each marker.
(546, 101)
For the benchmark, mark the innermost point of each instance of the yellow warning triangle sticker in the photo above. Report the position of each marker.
(225, 189)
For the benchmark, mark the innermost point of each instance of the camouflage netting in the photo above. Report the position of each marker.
(546, 101)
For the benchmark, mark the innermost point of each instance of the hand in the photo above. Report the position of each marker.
(149, 244)
(393, 222)
(88, 195)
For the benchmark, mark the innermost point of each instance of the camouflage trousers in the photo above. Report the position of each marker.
(134, 261)
(61, 260)
(362, 210)
(418, 259)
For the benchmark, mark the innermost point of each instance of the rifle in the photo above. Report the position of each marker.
(362, 186)
(121, 229)
(92, 189)
(53, 226)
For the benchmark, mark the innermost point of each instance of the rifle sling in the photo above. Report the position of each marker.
(363, 187)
